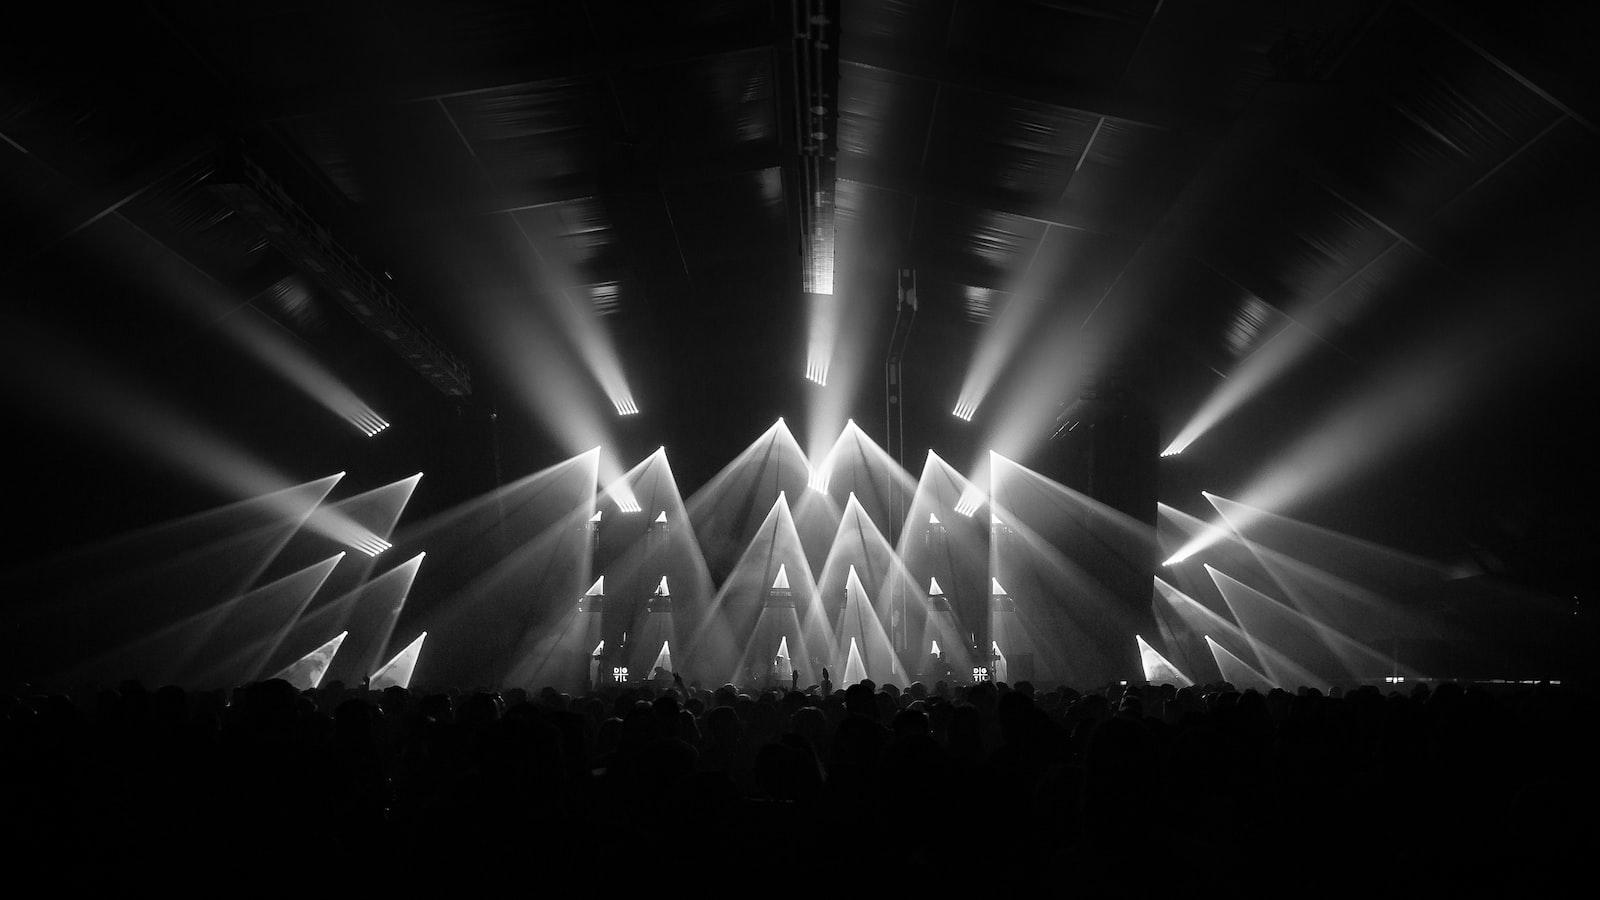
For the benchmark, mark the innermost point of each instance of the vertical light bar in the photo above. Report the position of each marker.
(817, 367)
(819, 246)
(970, 500)
(367, 422)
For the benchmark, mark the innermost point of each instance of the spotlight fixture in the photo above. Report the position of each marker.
(818, 481)
(970, 500)
(369, 422)
(817, 372)
(625, 406)
(964, 411)
(371, 544)
(622, 494)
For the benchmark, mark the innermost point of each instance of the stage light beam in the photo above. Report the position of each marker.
(397, 672)
(1208, 537)
(1157, 669)
(306, 672)
(855, 671)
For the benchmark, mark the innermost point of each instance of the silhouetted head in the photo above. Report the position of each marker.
(911, 722)
(724, 726)
(810, 723)
(858, 701)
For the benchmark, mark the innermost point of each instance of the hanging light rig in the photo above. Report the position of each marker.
(814, 76)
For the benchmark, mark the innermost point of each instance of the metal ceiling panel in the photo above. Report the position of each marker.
(874, 239)
(884, 121)
(977, 247)
(1018, 147)
(1086, 45)
(499, 35)
(1289, 240)
(1545, 197)
(904, 35)
(1423, 118)
(531, 136)
(649, 28)
(574, 238)
(328, 148)
(727, 225)
(1127, 179)
(696, 114)
(1199, 61)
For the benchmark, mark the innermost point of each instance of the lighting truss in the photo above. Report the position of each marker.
(254, 194)
(814, 92)
(819, 246)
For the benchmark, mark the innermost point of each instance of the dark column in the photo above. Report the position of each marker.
(1107, 445)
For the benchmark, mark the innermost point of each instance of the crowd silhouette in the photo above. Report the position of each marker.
(1137, 789)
